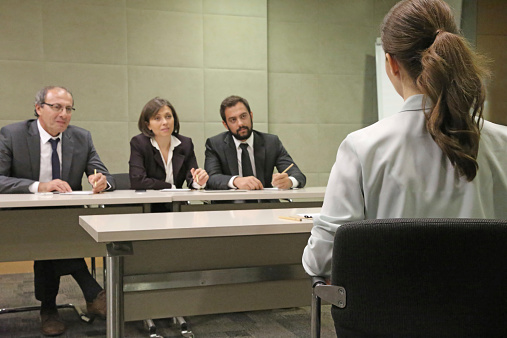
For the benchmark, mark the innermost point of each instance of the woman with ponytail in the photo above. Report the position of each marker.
(437, 157)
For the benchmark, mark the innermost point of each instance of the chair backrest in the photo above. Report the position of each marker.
(422, 277)
(122, 181)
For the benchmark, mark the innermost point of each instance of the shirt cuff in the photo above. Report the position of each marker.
(197, 186)
(230, 184)
(295, 182)
(34, 187)
(107, 188)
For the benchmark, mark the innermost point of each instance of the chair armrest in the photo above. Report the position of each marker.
(333, 294)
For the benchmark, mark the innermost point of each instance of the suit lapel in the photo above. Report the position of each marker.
(33, 141)
(67, 154)
(260, 157)
(157, 157)
(177, 161)
(231, 154)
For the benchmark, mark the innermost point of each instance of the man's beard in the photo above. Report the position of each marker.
(242, 137)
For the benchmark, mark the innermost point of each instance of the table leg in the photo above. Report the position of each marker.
(114, 294)
(114, 287)
(176, 206)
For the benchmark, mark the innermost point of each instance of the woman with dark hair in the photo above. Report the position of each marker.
(161, 158)
(437, 157)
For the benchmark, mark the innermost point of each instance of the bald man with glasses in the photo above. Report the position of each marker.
(49, 155)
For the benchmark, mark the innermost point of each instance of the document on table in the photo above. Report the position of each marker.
(88, 192)
(230, 190)
(175, 190)
(276, 189)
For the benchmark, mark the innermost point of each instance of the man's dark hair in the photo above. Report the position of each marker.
(231, 101)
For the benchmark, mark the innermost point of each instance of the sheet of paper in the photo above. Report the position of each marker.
(230, 190)
(77, 193)
(276, 189)
(175, 190)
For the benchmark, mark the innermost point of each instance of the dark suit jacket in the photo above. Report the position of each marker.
(146, 167)
(222, 160)
(20, 157)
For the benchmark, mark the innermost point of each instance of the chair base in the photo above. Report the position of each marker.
(76, 308)
(152, 329)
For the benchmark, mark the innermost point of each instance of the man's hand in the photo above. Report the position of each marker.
(281, 181)
(199, 175)
(247, 183)
(54, 185)
(98, 182)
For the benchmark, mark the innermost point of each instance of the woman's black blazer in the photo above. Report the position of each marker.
(146, 167)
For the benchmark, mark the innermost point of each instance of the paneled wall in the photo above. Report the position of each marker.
(492, 41)
(307, 67)
(322, 82)
(115, 55)
(321, 75)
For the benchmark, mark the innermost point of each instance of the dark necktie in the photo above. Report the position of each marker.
(55, 160)
(246, 165)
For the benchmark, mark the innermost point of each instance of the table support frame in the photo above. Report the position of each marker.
(114, 287)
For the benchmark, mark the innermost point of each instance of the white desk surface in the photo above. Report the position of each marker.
(218, 195)
(137, 227)
(55, 200)
(150, 196)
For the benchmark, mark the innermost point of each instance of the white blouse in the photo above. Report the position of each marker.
(394, 169)
(169, 178)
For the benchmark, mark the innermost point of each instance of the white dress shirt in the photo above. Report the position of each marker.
(46, 151)
(239, 151)
(394, 169)
(250, 142)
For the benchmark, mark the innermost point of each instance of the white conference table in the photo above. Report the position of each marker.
(152, 196)
(220, 261)
(116, 197)
(45, 226)
(305, 197)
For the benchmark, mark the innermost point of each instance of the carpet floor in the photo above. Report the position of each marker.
(17, 290)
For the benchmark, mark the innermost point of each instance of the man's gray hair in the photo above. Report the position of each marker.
(40, 97)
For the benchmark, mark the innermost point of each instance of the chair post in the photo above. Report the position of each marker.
(316, 308)
(315, 328)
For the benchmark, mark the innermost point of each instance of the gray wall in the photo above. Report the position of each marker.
(492, 41)
(116, 55)
(321, 75)
(306, 67)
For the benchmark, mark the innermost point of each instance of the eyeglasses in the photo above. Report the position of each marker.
(58, 107)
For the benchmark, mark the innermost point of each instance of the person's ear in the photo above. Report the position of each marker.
(37, 109)
(225, 125)
(392, 65)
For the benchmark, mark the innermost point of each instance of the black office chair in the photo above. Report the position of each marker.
(417, 278)
(122, 181)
